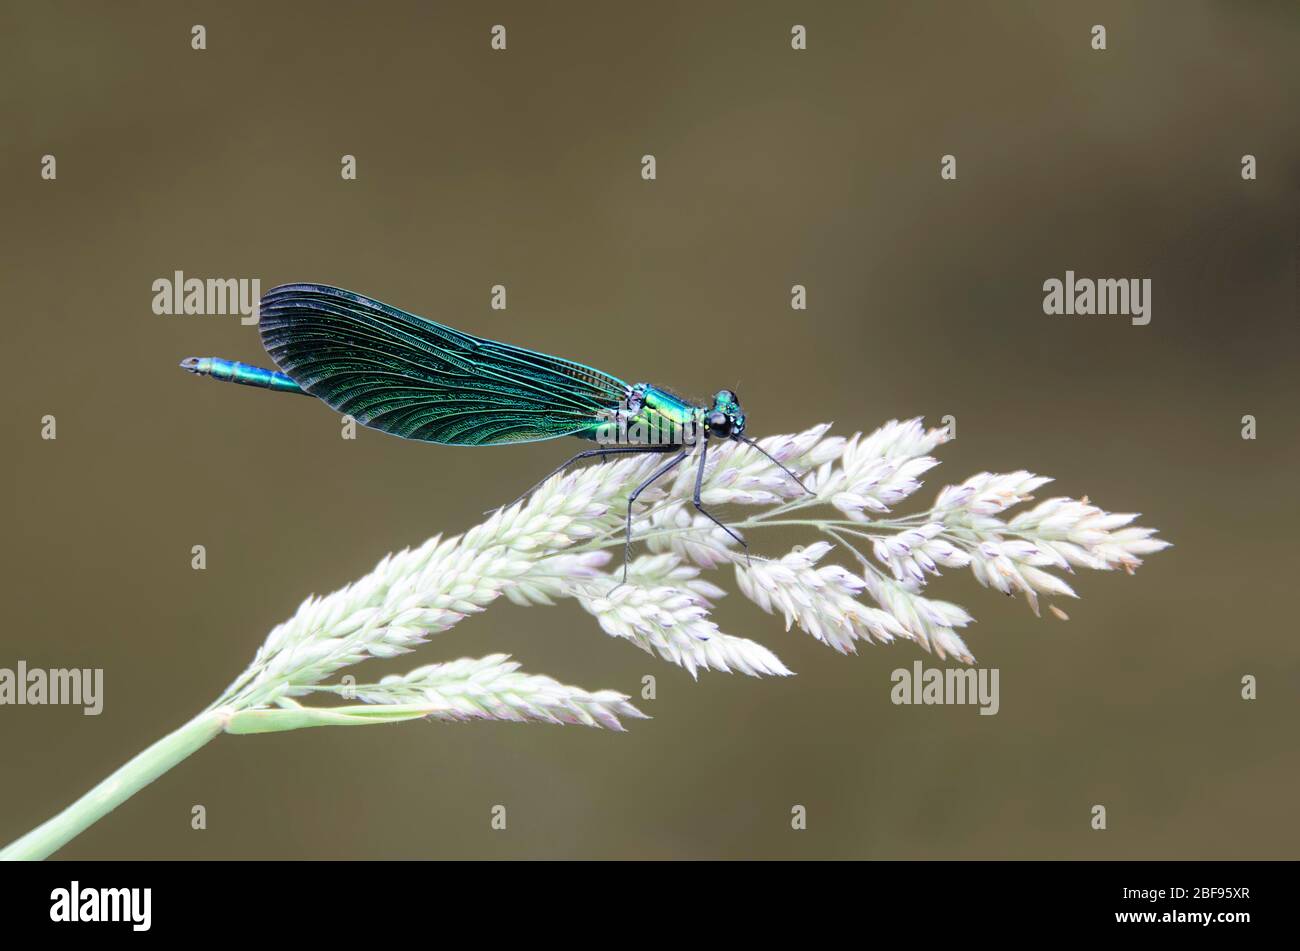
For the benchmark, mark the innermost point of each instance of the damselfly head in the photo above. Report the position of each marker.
(726, 420)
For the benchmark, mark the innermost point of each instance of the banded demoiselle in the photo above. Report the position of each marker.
(417, 379)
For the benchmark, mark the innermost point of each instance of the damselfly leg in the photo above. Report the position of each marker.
(585, 454)
(775, 461)
(699, 506)
(631, 500)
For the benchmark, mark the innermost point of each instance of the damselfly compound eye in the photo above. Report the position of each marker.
(719, 425)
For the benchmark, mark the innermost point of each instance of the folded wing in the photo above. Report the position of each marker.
(417, 379)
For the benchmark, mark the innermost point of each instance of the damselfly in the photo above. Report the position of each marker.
(413, 378)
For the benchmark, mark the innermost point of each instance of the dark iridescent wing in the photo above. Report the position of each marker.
(414, 378)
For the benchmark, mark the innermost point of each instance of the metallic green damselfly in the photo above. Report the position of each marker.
(417, 379)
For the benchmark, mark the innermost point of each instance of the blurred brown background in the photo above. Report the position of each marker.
(775, 167)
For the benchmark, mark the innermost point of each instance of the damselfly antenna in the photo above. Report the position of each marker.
(775, 461)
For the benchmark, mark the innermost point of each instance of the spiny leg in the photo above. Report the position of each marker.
(750, 442)
(699, 506)
(631, 499)
(585, 454)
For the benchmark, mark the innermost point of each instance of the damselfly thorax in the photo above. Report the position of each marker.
(651, 416)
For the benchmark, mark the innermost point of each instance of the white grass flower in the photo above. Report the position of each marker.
(736, 474)
(916, 553)
(820, 600)
(417, 593)
(1082, 534)
(987, 494)
(877, 472)
(673, 621)
(492, 688)
(558, 545)
(671, 569)
(929, 622)
(665, 529)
